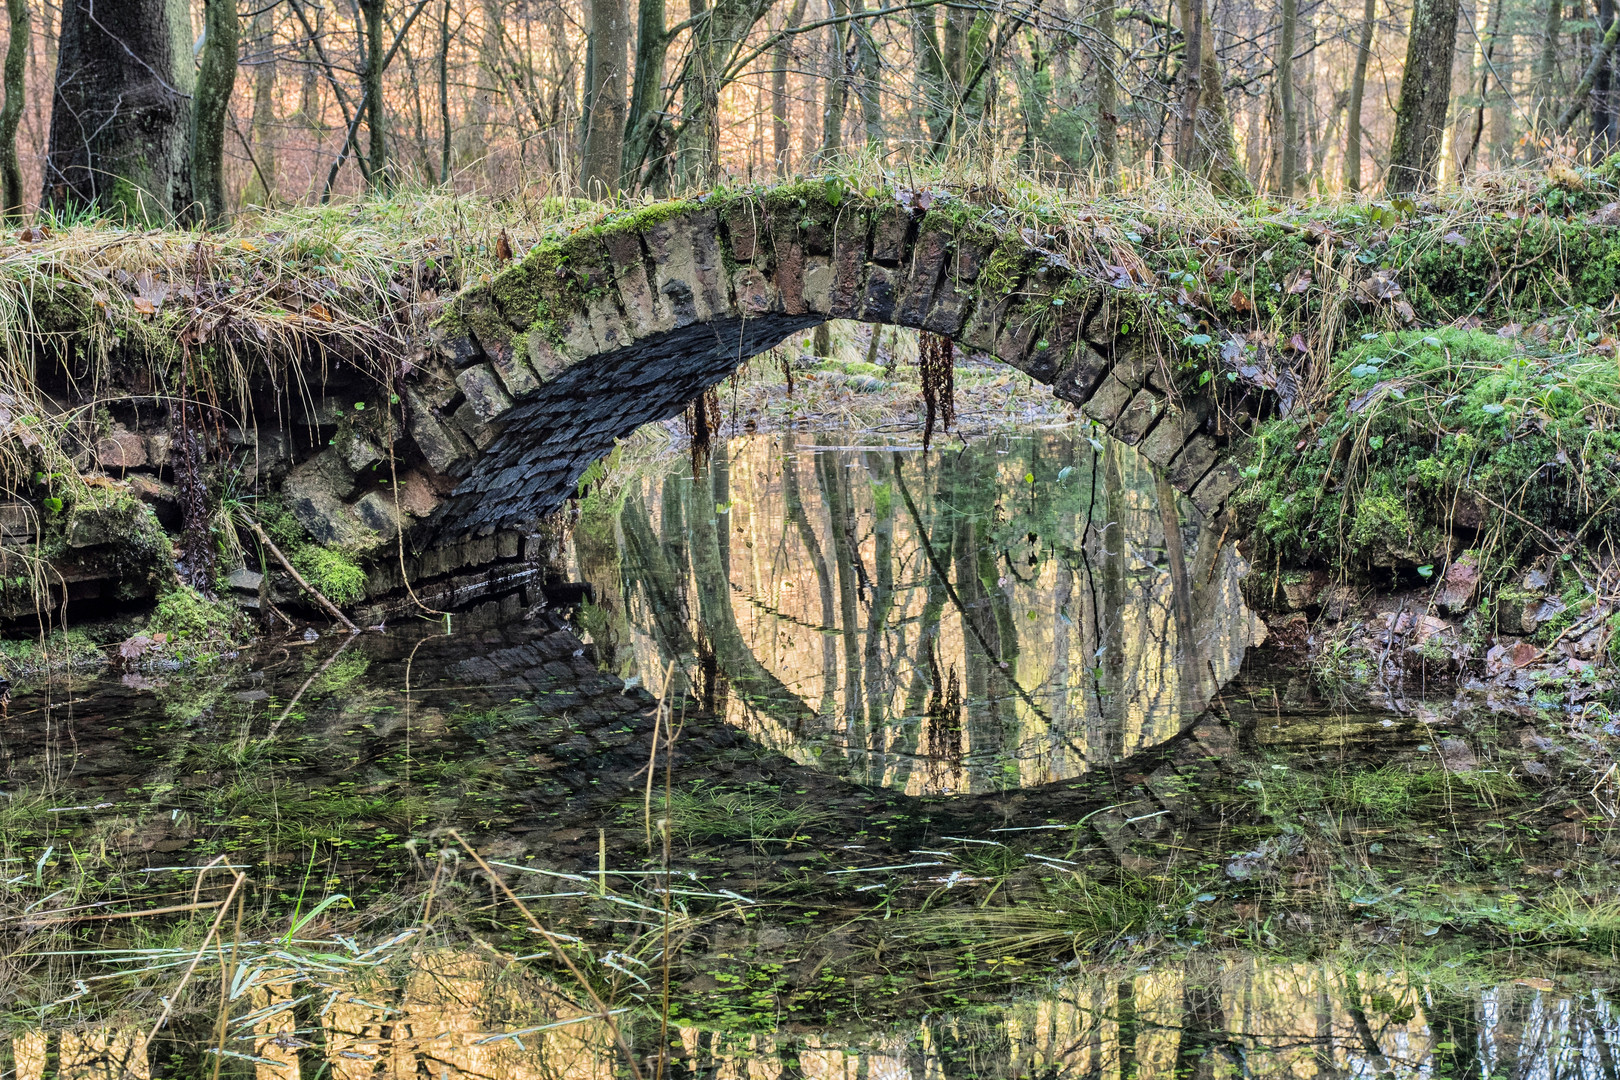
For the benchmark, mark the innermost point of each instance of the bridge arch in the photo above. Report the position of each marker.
(535, 374)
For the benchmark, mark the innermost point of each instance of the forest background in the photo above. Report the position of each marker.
(272, 99)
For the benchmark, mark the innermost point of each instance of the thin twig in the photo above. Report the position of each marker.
(320, 598)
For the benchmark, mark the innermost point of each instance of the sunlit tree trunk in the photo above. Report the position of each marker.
(121, 115)
(216, 78)
(1206, 144)
(261, 188)
(868, 87)
(793, 502)
(16, 71)
(837, 92)
(781, 56)
(643, 122)
(1358, 89)
(1289, 159)
(1420, 116)
(605, 115)
(376, 110)
(1107, 93)
(1547, 67)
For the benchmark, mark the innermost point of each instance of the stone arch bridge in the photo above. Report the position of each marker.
(532, 376)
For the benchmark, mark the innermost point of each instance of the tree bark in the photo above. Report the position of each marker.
(216, 78)
(1358, 90)
(868, 88)
(264, 107)
(1212, 147)
(445, 149)
(646, 99)
(604, 119)
(832, 108)
(16, 71)
(1285, 93)
(121, 112)
(1547, 68)
(1107, 93)
(1583, 91)
(376, 111)
(1420, 116)
(780, 57)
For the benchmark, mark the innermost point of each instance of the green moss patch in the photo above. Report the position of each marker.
(1424, 442)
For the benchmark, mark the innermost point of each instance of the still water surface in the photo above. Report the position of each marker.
(977, 773)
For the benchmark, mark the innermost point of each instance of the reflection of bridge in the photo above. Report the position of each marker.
(535, 374)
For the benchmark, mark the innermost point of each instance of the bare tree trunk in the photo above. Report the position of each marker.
(216, 78)
(1547, 67)
(376, 111)
(781, 56)
(832, 109)
(869, 87)
(1192, 36)
(264, 108)
(444, 94)
(1420, 117)
(604, 118)
(16, 71)
(122, 109)
(1285, 94)
(1358, 89)
(1107, 91)
(645, 119)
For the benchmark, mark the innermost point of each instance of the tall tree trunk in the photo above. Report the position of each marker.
(832, 108)
(16, 71)
(931, 91)
(1547, 66)
(216, 78)
(1487, 63)
(868, 87)
(1192, 36)
(1358, 90)
(1604, 116)
(1107, 92)
(121, 111)
(445, 148)
(780, 57)
(1420, 116)
(1289, 170)
(645, 118)
(261, 188)
(376, 110)
(1210, 145)
(604, 119)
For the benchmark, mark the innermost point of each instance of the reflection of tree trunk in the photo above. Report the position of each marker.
(1112, 617)
(1364, 1032)
(646, 563)
(672, 534)
(834, 493)
(983, 730)
(927, 633)
(1203, 1032)
(720, 485)
(1593, 1018)
(756, 685)
(878, 695)
(598, 552)
(1188, 659)
(1453, 1022)
(1125, 1008)
(1326, 1066)
(794, 503)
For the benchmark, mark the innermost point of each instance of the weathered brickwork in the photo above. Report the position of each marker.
(533, 376)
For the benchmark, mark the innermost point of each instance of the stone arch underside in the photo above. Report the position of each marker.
(534, 375)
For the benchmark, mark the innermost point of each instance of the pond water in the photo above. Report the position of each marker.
(862, 762)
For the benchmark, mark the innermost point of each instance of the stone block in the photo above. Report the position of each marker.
(18, 520)
(1171, 434)
(458, 350)
(922, 275)
(608, 324)
(158, 448)
(483, 392)
(443, 448)
(318, 507)
(416, 495)
(970, 258)
(1194, 460)
(789, 277)
(375, 510)
(1016, 339)
(508, 544)
(949, 308)
(1212, 491)
(360, 455)
(878, 304)
(474, 426)
(642, 309)
(121, 449)
(243, 580)
(546, 359)
(1137, 417)
(753, 291)
(819, 277)
(1108, 401)
(742, 228)
(889, 235)
(1078, 379)
(849, 262)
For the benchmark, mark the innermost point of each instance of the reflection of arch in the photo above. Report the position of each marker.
(536, 373)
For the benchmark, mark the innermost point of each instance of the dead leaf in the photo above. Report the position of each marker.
(1240, 302)
(319, 311)
(1298, 344)
(1455, 239)
(144, 306)
(503, 248)
(34, 234)
(1404, 310)
(1298, 282)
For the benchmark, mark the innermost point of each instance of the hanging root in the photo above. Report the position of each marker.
(702, 424)
(936, 357)
(197, 555)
